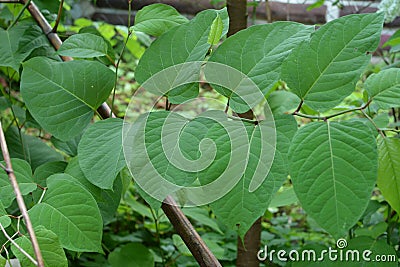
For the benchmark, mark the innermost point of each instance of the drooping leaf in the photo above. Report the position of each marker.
(184, 43)
(71, 212)
(31, 149)
(107, 200)
(70, 146)
(282, 101)
(5, 220)
(202, 216)
(338, 49)
(389, 170)
(23, 172)
(62, 96)
(50, 247)
(44, 171)
(83, 45)
(240, 208)
(132, 254)
(157, 19)
(9, 41)
(100, 152)
(257, 52)
(327, 165)
(384, 88)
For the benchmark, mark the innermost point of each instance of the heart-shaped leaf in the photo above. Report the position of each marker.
(62, 96)
(83, 45)
(71, 212)
(328, 165)
(157, 19)
(338, 49)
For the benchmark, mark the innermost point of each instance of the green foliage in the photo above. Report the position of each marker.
(62, 97)
(329, 176)
(157, 19)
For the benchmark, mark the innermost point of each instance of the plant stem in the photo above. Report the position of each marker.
(58, 16)
(20, 200)
(21, 12)
(296, 112)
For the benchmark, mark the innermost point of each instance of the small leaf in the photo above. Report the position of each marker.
(216, 31)
(23, 172)
(338, 49)
(83, 45)
(62, 96)
(46, 170)
(133, 255)
(32, 149)
(389, 170)
(52, 252)
(71, 213)
(70, 147)
(328, 165)
(5, 220)
(282, 101)
(184, 43)
(157, 19)
(384, 88)
(100, 152)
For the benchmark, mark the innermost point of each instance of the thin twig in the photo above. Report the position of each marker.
(21, 12)
(17, 246)
(373, 123)
(20, 199)
(60, 8)
(296, 113)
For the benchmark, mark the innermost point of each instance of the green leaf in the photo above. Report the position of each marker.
(9, 41)
(316, 4)
(107, 200)
(32, 39)
(335, 164)
(62, 96)
(338, 49)
(52, 252)
(23, 172)
(3, 261)
(44, 171)
(5, 220)
(83, 45)
(100, 152)
(70, 147)
(71, 212)
(157, 19)
(389, 170)
(184, 43)
(282, 101)
(257, 52)
(282, 198)
(216, 31)
(202, 216)
(240, 208)
(133, 255)
(384, 88)
(31, 149)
